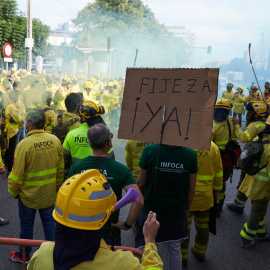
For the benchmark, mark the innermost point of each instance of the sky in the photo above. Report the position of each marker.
(228, 26)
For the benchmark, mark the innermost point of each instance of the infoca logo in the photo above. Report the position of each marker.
(43, 144)
(171, 165)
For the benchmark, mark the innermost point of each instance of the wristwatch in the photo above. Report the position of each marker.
(127, 226)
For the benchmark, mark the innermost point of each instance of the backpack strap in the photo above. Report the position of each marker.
(265, 142)
(229, 127)
(72, 121)
(46, 109)
(59, 118)
(100, 162)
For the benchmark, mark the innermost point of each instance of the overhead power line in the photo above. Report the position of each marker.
(66, 7)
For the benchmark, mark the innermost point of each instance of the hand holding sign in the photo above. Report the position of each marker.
(189, 96)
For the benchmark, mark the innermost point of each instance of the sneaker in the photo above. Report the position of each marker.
(261, 238)
(234, 208)
(3, 221)
(15, 257)
(247, 245)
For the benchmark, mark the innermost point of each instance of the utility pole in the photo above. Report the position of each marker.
(29, 40)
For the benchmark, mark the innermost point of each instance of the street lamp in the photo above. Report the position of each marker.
(91, 27)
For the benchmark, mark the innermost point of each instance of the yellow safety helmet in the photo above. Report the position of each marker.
(66, 81)
(254, 87)
(240, 88)
(260, 107)
(230, 85)
(93, 80)
(223, 104)
(88, 85)
(85, 201)
(110, 84)
(89, 109)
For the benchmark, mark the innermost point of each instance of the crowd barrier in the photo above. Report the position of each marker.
(36, 243)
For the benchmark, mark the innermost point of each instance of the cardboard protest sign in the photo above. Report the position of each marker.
(189, 96)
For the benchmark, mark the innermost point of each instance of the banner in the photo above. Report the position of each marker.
(189, 96)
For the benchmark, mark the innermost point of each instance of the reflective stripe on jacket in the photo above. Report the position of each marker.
(38, 169)
(251, 131)
(209, 178)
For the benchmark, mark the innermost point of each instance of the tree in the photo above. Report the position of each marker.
(13, 30)
(130, 25)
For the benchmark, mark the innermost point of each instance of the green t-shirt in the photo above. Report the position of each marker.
(117, 174)
(172, 186)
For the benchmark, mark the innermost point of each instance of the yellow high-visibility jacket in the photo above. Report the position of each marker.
(133, 152)
(50, 116)
(2, 165)
(228, 95)
(59, 99)
(239, 104)
(220, 133)
(114, 99)
(21, 108)
(67, 116)
(257, 187)
(251, 131)
(253, 97)
(104, 259)
(209, 178)
(38, 170)
(12, 119)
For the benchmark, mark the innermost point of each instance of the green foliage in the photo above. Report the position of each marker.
(40, 34)
(13, 30)
(130, 25)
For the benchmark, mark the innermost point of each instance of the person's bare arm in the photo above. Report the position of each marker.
(192, 187)
(142, 179)
(134, 211)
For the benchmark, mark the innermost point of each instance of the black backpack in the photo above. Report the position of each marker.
(249, 161)
(232, 151)
(61, 130)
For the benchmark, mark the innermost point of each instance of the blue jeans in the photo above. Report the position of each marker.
(170, 254)
(27, 219)
(21, 134)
